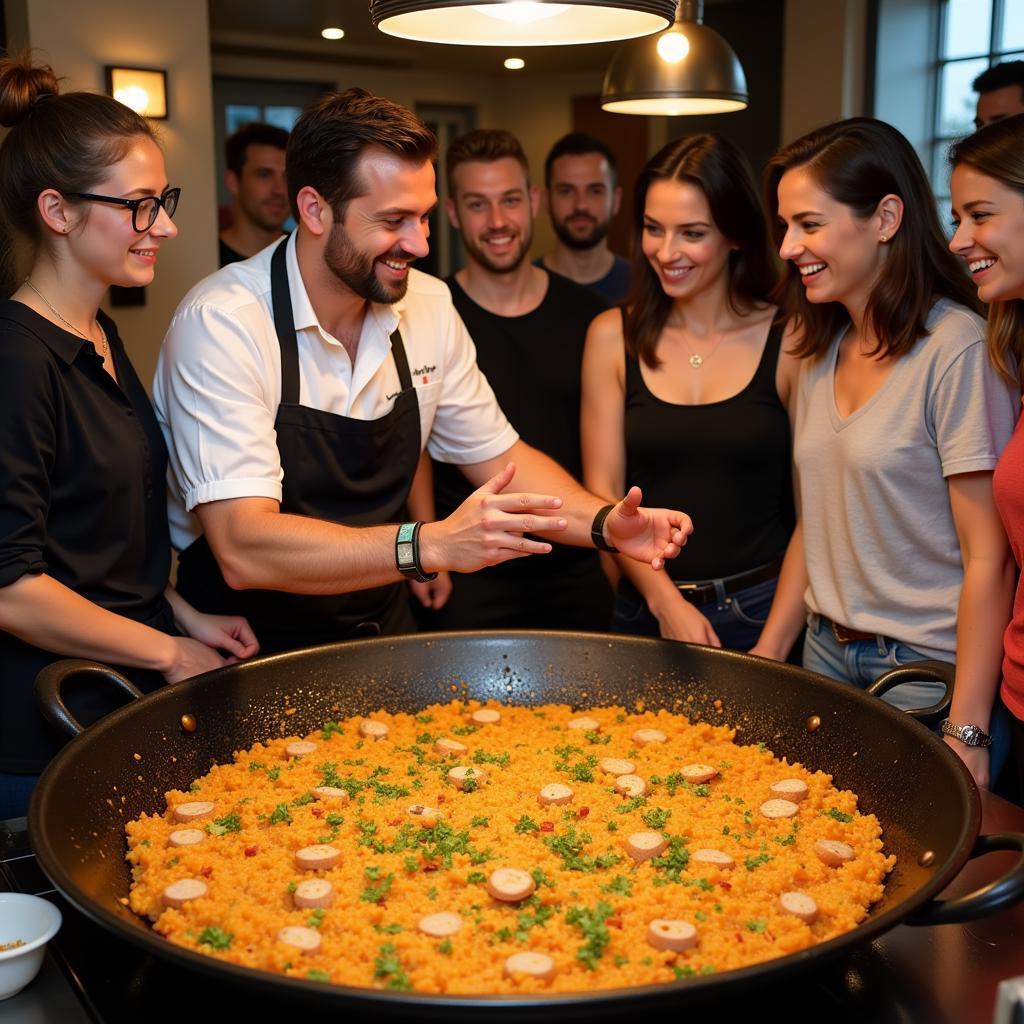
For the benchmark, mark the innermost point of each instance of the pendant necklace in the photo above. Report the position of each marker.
(697, 360)
(104, 346)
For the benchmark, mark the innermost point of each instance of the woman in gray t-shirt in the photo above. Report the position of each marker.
(899, 554)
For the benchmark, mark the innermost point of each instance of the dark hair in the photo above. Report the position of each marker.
(330, 136)
(997, 151)
(252, 134)
(1010, 72)
(483, 145)
(578, 144)
(64, 142)
(858, 162)
(715, 166)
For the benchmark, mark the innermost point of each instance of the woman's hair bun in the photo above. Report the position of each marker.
(22, 86)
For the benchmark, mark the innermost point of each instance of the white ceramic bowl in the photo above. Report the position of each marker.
(32, 920)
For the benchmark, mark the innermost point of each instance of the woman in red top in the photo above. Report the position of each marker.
(987, 187)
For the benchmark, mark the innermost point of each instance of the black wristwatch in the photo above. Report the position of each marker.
(597, 531)
(968, 735)
(407, 553)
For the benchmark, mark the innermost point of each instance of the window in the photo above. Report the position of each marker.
(973, 34)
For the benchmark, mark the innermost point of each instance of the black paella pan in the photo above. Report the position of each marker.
(919, 790)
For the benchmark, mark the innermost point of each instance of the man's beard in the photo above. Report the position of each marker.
(578, 242)
(485, 260)
(357, 271)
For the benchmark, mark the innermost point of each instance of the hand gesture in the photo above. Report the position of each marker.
(646, 534)
(433, 593)
(229, 633)
(681, 621)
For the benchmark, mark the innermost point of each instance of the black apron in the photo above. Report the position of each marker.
(343, 470)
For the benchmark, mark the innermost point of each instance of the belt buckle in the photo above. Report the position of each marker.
(692, 592)
(840, 633)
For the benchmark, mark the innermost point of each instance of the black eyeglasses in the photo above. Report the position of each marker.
(144, 211)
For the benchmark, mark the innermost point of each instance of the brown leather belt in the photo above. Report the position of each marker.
(704, 591)
(845, 635)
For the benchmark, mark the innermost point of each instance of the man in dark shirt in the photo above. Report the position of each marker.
(582, 195)
(1000, 90)
(529, 327)
(255, 178)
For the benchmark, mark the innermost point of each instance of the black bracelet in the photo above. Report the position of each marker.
(407, 553)
(597, 531)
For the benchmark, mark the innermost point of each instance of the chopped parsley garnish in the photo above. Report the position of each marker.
(838, 815)
(215, 938)
(376, 893)
(389, 929)
(314, 974)
(334, 819)
(303, 799)
(257, 766)
(591, 924)
(656, 817)
(432, 893)
(316, 918)
(569, 846)
(411, 865)
(222, 826)
(476, 877)
(525, 920)
(480, 822)
(273, 773)
(674, 860)
(387, 965)
(756, 926)
(445, 948)
(464, 730)
(753, 863)
(686, 971)
(292, 886)
(194, 788)
(632, 804)
(595, 737)
(280, 813)
(483, 757)
(537, 874)
(525, 824)
(620, 885)
(613, 826)
(676, 781)
(424, 719)
(331, 729)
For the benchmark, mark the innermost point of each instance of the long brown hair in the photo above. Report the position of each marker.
(997, 151)
(858, 162)
(722, 173)
(64, 142)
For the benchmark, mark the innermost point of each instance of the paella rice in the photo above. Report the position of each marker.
(482, 849)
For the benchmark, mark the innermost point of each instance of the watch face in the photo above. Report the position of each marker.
(404, 554)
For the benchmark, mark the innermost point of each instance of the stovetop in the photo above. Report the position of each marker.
(938, 975)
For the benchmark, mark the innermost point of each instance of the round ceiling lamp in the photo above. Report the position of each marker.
(520, 22)
(687, 69)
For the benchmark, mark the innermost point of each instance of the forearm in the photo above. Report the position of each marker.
(45, 613)
(788, 611)
(656, 587)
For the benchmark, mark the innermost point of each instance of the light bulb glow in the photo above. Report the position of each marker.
(521, 12)
(133, 96)
(333, 33)
(673, 47)
(515, 63)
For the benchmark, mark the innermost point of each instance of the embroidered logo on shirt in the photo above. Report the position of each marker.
(424, 372)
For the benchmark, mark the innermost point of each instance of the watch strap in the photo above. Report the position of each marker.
(407, 553)
(969, 735)
(597, 530)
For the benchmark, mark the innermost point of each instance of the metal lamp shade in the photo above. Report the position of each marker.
(709, 79)
(520, 22)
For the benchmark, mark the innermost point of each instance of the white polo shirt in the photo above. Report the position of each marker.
(218, 383)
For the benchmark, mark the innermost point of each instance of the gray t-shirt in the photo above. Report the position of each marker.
(881, 546)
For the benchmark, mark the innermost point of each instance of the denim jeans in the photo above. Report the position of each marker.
(736, 618)
(861, 662)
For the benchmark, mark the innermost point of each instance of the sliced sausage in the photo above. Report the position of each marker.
(698, 773)
(554, 793)
(461, 774)
(799, 904)
(485, 716)
(317, 858)
(789, 789)
(717, 857)
(779, 809)
(300, 748)
(584, 723)
(677, 936)
(440, 926)
(178, 893)
(427, 816)
(533, 965)
(373, 730)
(510, 885)
(645, 845)
(446, 746)
(306, 940)
(616, 766)
(630, 785)
(186, 837)
(645, 736)
(313, 893)
(833, 852)
(193, 810)
(331, 793)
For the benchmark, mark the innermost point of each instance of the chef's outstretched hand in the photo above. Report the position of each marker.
(646, 534)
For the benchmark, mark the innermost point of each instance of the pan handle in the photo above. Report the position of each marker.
(998, 895)
(50, 681)
(938, 671)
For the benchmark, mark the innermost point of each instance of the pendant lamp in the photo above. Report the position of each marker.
(687, 69)
(520, 22)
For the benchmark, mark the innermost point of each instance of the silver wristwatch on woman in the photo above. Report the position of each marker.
(969, 735)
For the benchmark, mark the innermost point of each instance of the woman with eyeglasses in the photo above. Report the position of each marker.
(84, 548)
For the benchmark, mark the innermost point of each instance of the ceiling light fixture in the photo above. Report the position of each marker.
(520, 22)
(515, 63)
(688, 69)
(333, 33)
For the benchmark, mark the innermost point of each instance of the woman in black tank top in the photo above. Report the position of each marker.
(687, 391)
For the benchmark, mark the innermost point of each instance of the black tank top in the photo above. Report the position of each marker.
(726, 464)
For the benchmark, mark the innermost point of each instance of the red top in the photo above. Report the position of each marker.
(1008, 488)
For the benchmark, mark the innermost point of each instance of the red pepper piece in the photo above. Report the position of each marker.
(583, 812)
(395, 821)
(727, 886)
(251, 851)
(206, 872)
(318, 812)
(547, 826)
(613, 922)
(440, 798)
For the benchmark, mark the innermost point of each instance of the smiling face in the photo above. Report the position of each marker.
(384, 230)
(680, 240)
(493, 207)
(260, 190)
(999, 103)
(102, 239)
(989, 235)
(837, 254)
(582, 199)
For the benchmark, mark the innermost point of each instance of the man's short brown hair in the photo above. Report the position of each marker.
(484, 145)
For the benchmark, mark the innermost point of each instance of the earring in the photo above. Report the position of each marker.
(884, 238)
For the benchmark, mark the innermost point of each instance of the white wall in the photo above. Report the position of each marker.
(79, 42)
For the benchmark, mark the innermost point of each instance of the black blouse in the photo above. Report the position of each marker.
(82, 499)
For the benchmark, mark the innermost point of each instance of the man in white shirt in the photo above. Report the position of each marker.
(297, 390)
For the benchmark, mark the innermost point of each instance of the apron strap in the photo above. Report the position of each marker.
(401, 361)
(284, 324)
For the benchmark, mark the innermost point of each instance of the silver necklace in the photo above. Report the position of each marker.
(104, 347)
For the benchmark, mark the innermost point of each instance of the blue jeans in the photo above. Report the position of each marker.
(861, 662)
(15, 791)
(736, 618)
